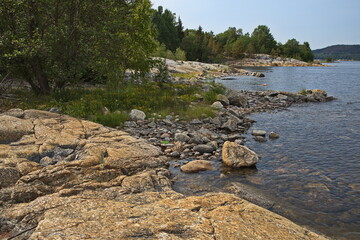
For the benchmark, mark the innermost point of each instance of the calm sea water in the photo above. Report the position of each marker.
(312, 171)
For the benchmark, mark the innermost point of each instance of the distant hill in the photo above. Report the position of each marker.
(348, 52)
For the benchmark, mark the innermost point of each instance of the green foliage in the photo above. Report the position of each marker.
(197, 111)
(89, 103)
(329, 60)
(231, 44)
(112, 119)
(168, 31)
(163, 72)
(180, 55)
(303, 92)
(53, 43)
(293, 49)
(210, 96)
(262, 40)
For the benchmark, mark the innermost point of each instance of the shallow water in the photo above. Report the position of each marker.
(312, 172)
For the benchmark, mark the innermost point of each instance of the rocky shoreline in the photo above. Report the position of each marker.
(203, 139)
(265, 60)
(66, 178)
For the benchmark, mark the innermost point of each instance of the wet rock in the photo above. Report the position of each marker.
(236, 155)
(182, 137)
(260, 138)
(197, 166)
(318, 96)
(250, 194)
(137, 115)
(320, 91)
(258, 74)
(273, 135)
(257, 132)
(204, 148)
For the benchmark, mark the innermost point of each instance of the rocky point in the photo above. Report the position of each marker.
(67, 178)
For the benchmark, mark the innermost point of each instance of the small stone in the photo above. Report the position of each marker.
(214, 144)
(230, 125)
(165, 135)
(259, 138)
(137, 115)
(56, 110)
(216, 121)
(195, 122)
(130, 124)
(256, 132)
(197, 166)
(167, 122)
(204, 148)
(182, 137)
(175, 154)
(217, 105)
(273, 135)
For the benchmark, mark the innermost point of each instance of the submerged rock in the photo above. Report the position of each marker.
(273, 135)
(197, 166)
(236, 155)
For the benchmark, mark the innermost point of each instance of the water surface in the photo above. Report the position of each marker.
(313, 171)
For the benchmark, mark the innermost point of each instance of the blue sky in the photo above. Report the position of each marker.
(320, 22)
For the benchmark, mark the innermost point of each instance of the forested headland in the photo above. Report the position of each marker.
(343, 52)
(173, 41)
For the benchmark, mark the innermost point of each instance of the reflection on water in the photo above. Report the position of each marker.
(312, 172)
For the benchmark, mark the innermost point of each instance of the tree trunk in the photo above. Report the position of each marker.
(40, 77)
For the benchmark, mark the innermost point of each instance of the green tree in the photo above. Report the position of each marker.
(167, 28)
(305, 52)
(291, 48)
(51, 43)
(262, 40)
